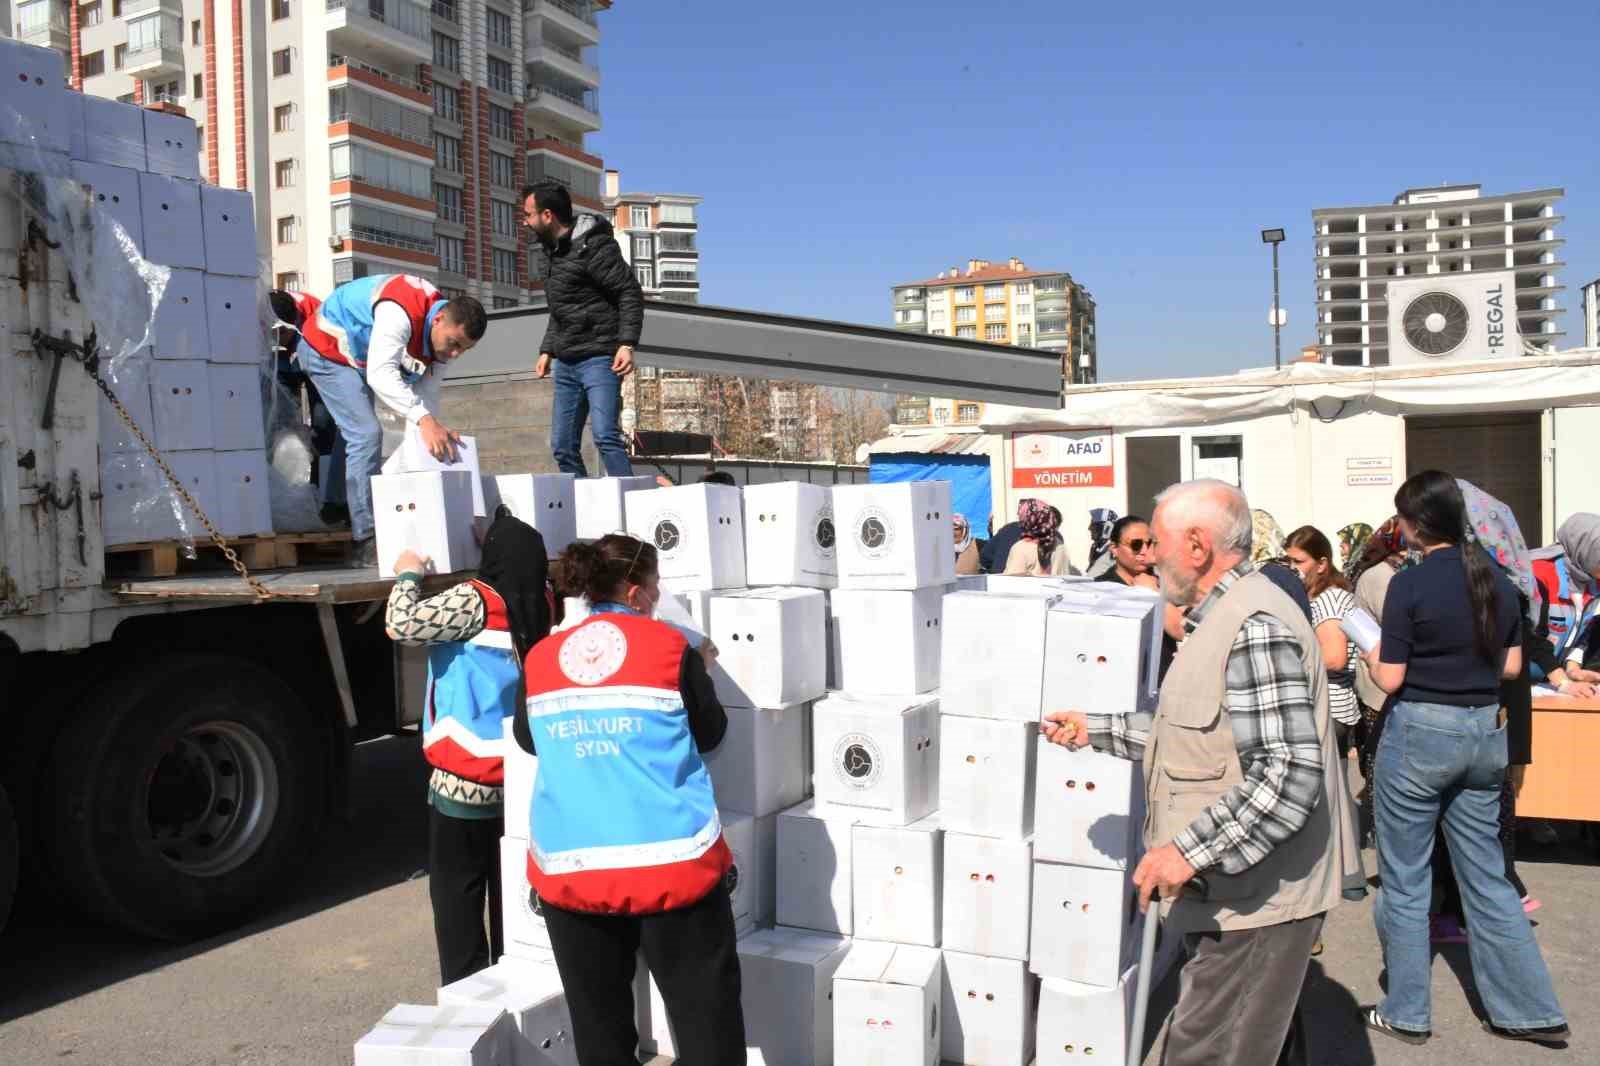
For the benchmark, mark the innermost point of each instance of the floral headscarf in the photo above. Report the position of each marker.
(1352, 541)
(1038, 520)
(1386, 541)
(1494, 528)
(1101, 522)
(1267, 541)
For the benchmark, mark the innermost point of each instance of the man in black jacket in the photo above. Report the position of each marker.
(596, 311)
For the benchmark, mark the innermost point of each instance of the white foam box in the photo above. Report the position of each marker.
(232, 326)
(136, 504)
(897, 882)
(520, 771)
(1079, 1022)
(413, 457)
(171, 145)
(988, 885)
(759, 768)
(169, 207)
(197, 471)
(886, 641)
(696, 602)
(698, 533)
(113, 133)
(180, 398)
(544, 501)
(989, 1007)
(878, 753)
(229, 227)
(237, 421)
(787, 994)
(886, 1000)
(522, 925)
(113, 193)
(1094, 808)
(37, 114)
(894, 536)
(753, 842)
(814, 889)
(1100, 655)
(789, 535)
(1085, 923)
(600, 503)
(179, 329)
(530, 993)
(971, 583)
(1024, 585)
(415, 1035)
(992, 665)
(986, 776)
(771, 646)
(244, 496)
(132, 386)
(430, 513)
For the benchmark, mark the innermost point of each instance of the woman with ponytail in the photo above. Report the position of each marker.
(626, 852)
(1451, 633)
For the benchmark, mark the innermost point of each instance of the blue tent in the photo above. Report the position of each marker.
(968, 476)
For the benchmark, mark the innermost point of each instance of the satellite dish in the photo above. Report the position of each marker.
(1282, 316)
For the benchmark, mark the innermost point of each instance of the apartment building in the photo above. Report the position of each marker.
(377, 135)
(1440, 229)
(1591, 314)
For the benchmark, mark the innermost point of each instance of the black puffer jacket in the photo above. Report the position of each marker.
(596, 305)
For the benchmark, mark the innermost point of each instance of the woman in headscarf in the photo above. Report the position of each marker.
(1102, 521)
(1569, 591)
(969, 550)
(1352, 541)
(477, 632)
(1266, 544)
(1040, 551)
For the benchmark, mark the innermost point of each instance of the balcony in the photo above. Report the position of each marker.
(44, 23)
(564, 60)
(581, 109)
(132, 9)
(449, 10)
(571, 19)
(344, 68)
(396, 32)
(155, 46)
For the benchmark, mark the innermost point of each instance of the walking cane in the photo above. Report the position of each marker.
(1141, 1001)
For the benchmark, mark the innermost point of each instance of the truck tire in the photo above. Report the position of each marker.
(184, 793)
(10, 857)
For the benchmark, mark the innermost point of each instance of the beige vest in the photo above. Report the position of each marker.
(1191, 762)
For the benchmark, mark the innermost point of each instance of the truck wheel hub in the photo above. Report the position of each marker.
(212, 798)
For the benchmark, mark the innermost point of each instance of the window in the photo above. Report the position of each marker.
(166, 93)
(676, 271)
(1022, 288)
(452, 254)
(447, 150)
(994, 292)
(288, 227)
(90, 14)
(993, 311)
(680, 213)
(641, 247)
(1024, 309)
(358, 162)
(969, 332)
(966, 314)
(966, 294)
(673, 241)
(283, 118)
(119, 55)
(966, 412)
(377, 225)
(449, 292)
(447, 102)
(505, 266)
(194, 32)
(283, 173)
(448, 200)
(994, 331)
(580, 181)
(936, 314)
(499, 75)
(282, 63)
(94, 64)
(502, 170)
(199, 92)
(937, 332)
(503, 218)
(499, 28)
(502, 123)
(1052, 285)
(290, 282)
(504, 301)
(349, 269)
(116, 9)
(446, 9)
(280, 10)
(1024, 330)
(647, 275)
(446, 52)
(639, 217)
(1052, 325)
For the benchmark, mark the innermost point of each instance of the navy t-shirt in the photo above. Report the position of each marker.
(1427, 624)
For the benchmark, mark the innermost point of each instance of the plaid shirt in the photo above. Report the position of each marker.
(1268, 697)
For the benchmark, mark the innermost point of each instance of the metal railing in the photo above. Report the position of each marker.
(335, 60)
(409, 18)
(387, 238)
(449, 212)
(446, 9)
(422, 137)
(589, 100)
(583, 13)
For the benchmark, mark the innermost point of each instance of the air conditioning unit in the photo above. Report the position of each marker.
(1436, 318)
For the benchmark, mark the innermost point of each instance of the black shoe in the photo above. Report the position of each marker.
(1549, 1034)
(335, 515)
(364, 554)
(1374, 1021)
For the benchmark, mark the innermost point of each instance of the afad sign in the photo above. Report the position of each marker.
(1062, 459)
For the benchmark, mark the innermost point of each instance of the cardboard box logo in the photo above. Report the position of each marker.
(823, 534)
(857, 761)
(874, 531)
(668, 534)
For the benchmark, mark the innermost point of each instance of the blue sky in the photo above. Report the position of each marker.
(842, 147)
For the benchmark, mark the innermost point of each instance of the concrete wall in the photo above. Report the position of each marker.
(511, 420)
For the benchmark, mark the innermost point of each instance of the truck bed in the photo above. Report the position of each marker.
(314, 585)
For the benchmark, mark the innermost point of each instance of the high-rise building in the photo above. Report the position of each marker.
(377, 135)
(659, 235)
(1441, 229)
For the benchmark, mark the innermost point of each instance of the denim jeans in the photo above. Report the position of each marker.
(358, 449)
(588, 389)
(1439, 764)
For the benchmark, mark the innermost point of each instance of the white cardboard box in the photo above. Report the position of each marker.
(171, 146)
(788, 994)
(544, 501)
(814, 882)
(113, 191)
(886, 1000)
(430, 513)
(986, 775)
(753, 842)
(758, 768)
(132, 386)
(771, 647)
(37, 114)
(1024, 585)
(234, 331)
(696, 602)
(897, 881)
(894, 536)
(169, 207)
(988, 886)
(198, 472)
(180, 329)
(993, 660)
(789, 535)
(113, 132)
(880, 754)
(698, 533)
(244, 496)
(1101, 653)
(1078, 1022)
(530, 993)
(521, 769)
(229, 226)
(135, 504)
(971, 583)
(989, 1009)
(414, 1035)
(886, 641)
(413, 457)
(236, 401)
(522, 925)
(1085, 923)
(601, 505)
(1095, 808)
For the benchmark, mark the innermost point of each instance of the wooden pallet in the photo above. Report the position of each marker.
(168, 558)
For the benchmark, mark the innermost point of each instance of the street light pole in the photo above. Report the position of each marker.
(1275, 237)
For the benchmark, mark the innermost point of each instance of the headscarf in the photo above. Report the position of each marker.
(1040, 525)
(1101, 521)
(1267, 541)
(1352, 539)
(1579, 539)
(514, 565)
(1384, 542)
(1492, 526)
(965, 542)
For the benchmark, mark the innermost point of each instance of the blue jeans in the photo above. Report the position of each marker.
(358, 449)
(1442, 765)
(588, 389)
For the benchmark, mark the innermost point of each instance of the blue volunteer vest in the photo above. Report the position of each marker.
(472, 685)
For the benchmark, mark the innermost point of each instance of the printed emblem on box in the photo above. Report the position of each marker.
(668, 535)
(857, 761)
(823, 534)
(874, 532)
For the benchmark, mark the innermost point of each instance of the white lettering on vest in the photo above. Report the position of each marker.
(572, 728)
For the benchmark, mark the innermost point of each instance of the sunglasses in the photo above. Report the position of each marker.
(1138, 544)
